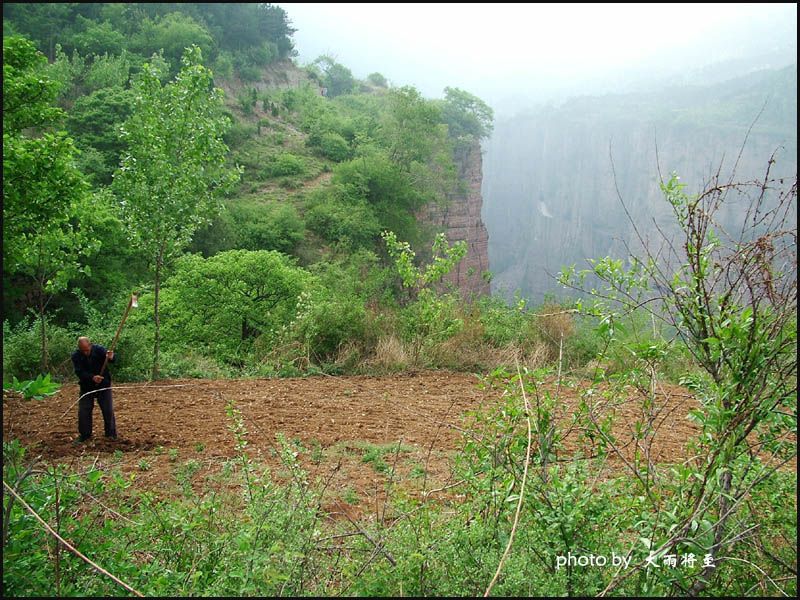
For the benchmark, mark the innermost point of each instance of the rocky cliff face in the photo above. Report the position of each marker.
(551, 192)
(460, 220)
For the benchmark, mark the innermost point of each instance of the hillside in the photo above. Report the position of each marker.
(313, 168)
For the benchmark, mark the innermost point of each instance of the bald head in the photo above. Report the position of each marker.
(84, 345)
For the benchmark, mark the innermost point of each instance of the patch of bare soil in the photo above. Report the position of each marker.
(348, 428)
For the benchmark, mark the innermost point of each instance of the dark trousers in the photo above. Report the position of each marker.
(85, 409)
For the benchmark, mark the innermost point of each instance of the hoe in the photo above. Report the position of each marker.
(132, 303)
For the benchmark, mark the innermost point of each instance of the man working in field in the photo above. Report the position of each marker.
(88, 359)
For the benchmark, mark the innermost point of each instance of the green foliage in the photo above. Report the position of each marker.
(40, 200)
(117, 267)
(377, 79)
(334, 146)
(44, 194)
(466, 115)
(28, 94)
(240, 26)
(251, 225)
(337, 78)
(285, 164)
(431, 318)
(445, 257)
(741, 331)
(502, 324)
(94, 120)
(358, 274)
(21, 349)
(174, 171)
(373, 179)
(337, 218)
(79, 75)
(175, 164)
(109, 71)
(268, 226)
(173, 34)
(411, 129)
(42, 23)
(97, 37)
(223, 303)
(238, 133)
(223, 65)
(325, 322)
(37, 388)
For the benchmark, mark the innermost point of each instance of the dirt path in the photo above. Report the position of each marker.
(355, 422)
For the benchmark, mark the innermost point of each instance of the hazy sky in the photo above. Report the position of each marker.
(502, 51)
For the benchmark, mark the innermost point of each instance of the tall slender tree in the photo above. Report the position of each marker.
(171, 178)
(43, 190)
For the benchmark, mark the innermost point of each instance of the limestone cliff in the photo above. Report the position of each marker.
(460, 219)
(551, 193)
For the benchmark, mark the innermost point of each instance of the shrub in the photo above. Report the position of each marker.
(250, 73)
(266, 226)
(429, 320)
(324, 323)
(377, 79)
(286, 164)
(334, 146)
(223, 66)
(239, 133)
(502, 324)
(583, 346)
(22, 347)
(353, 225)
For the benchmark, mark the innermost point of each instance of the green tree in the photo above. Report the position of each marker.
(98, 37)
(231, 298)
(174, 170)
(94, 121)
(376, 181)
(377, 79)
(43, 22)
(43, 191)
(249, 225)
(108, 70)
(731, 297)
(173, 33)
(411, 127)
(120, 267)
(430, 317)
(335, 76)
(466, 115)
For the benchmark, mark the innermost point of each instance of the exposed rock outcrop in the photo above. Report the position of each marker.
(460, 219)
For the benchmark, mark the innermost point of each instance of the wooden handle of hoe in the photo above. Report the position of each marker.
(116, 336)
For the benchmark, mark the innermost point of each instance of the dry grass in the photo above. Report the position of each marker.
(553, 324)
(390, 354)
(469, 350)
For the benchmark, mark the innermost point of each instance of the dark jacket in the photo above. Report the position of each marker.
(87, 367)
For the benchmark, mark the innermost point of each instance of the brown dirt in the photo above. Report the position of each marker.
(337, 420)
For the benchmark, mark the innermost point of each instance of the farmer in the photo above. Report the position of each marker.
(88, 359)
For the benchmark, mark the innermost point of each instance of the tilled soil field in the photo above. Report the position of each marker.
(346, 429)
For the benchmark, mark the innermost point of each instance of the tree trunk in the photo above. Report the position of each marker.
(44, 362)
(155, 314)
(719, 533)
